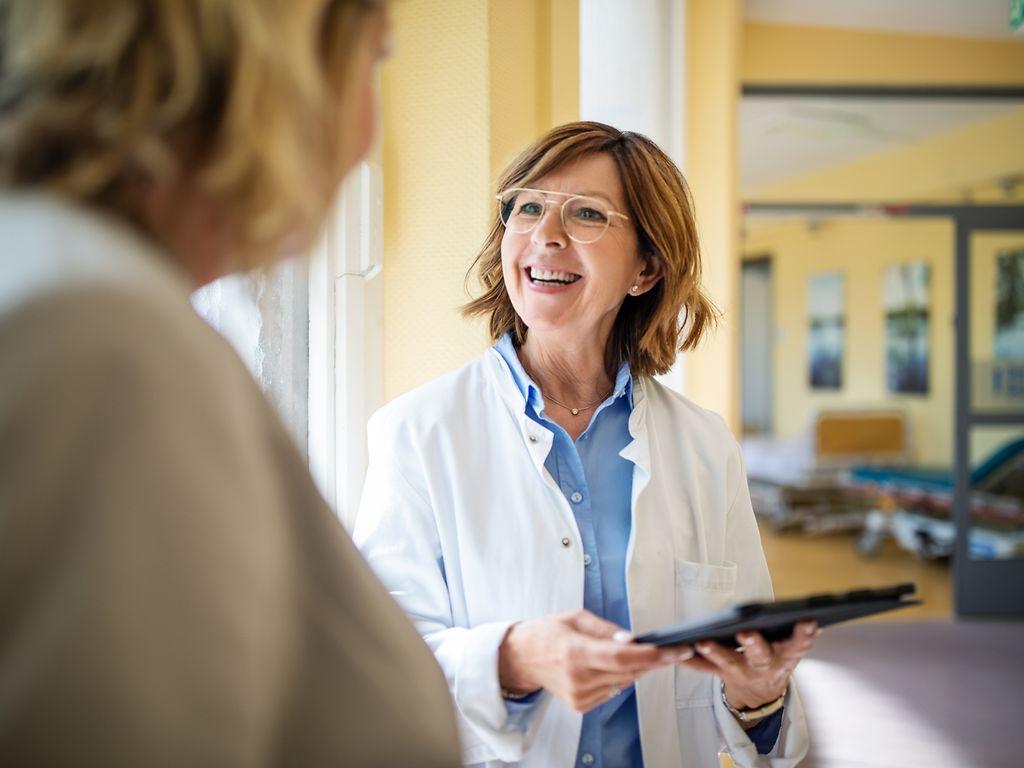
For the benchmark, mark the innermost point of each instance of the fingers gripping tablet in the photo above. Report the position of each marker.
(775, 620)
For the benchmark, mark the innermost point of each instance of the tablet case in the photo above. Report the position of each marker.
(775, 620)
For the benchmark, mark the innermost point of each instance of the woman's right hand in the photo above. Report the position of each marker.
(580, 658)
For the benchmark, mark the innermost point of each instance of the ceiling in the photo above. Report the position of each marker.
(957, 18)
(786, 137)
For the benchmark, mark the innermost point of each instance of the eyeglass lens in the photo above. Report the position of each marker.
(585, 218)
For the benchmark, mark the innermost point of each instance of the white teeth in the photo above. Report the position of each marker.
(550, 275)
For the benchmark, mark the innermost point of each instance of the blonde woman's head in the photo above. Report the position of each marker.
(256, 108)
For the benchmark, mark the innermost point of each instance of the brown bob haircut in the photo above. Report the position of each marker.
(651, 329)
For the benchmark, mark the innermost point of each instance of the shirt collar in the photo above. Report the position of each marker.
(531, 392)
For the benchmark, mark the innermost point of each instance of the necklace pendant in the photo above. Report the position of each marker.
(575, 411)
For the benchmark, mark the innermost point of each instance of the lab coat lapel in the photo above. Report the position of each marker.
(650, 576)
(538, 442)
(538, 439)
(639, 450)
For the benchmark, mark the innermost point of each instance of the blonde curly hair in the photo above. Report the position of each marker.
(247, 99)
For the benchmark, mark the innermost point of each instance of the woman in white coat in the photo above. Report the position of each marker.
(534, 509)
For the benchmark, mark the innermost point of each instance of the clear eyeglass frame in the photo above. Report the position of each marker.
(572, 229)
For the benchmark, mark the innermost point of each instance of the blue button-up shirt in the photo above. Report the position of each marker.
(598, 484)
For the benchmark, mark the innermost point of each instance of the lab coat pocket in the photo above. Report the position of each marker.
(701, 588)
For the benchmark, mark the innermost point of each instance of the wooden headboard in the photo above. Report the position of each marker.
(863, 435)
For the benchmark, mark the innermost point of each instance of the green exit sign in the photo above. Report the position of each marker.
(1017, 15)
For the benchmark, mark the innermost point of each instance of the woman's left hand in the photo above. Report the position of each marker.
(758, 673)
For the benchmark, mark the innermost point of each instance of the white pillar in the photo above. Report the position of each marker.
(633, 76)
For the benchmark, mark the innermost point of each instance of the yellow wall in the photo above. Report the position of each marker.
(534, 70)
(860, 249)
(945, 167)
(713, 51)
(457, 105)
(564, 60)
(436, 106)
(777, 54)
(994, 192)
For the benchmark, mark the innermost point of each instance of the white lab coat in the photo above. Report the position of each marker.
(465, 526)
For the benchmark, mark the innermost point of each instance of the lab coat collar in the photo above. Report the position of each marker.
(539, 439)
(529, 390)
(638, 450)
(526, 386)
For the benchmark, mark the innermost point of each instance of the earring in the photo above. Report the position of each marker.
(634, 289)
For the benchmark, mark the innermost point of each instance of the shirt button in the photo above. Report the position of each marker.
(532, 438)
(587, 759)
(586, 559)
(576, 497)
(566, 542)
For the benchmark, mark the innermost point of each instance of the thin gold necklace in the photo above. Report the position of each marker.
(577, 411)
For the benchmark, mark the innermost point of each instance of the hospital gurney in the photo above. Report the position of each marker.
(914, 506)
(798, 482)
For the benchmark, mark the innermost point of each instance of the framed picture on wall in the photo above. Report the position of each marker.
(907, 303)
(825, 334)
(1009, 336)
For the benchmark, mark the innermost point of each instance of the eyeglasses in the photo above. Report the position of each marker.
(585, 219)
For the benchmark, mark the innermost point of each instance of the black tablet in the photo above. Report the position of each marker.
(775, 620)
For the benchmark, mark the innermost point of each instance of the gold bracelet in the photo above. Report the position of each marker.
(507, 694)
(749, 715)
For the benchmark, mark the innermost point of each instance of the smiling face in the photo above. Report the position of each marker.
(559, 286)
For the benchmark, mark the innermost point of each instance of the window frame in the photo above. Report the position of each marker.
(346, 338)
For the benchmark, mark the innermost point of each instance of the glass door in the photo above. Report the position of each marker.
(989, 466)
